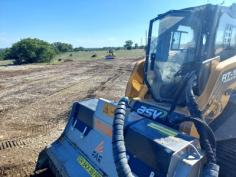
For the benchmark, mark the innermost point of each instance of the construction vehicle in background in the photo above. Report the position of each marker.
(110, 54)
(178, 118)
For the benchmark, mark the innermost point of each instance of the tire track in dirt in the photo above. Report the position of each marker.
(118, 73)
(42, 74)
(26, 131)
(20, 170)
(33, 138)
(4, 111)
(32, 132)
(11, 144)
(37, 87)
(91, 92)
(24, 146)
(39, 129)
(100, 87)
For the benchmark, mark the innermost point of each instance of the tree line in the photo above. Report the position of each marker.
(32, 50)
(128, 45)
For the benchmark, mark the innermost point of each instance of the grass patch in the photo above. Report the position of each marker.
(87, 55)
(6, 62)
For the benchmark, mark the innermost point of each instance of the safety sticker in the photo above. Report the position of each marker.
(87, 167)
(109, 109)
(162, 129)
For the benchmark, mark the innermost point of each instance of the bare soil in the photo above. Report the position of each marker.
(35, 101)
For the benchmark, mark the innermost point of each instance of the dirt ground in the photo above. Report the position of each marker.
(35, 101)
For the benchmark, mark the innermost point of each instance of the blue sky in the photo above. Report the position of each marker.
(87, 23)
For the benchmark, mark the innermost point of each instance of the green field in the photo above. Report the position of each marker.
(6, 62)
(86, 55)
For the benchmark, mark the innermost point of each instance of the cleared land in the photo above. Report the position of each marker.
(85, 55)
(35, 101)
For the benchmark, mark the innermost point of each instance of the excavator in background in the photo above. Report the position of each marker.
(178, 118)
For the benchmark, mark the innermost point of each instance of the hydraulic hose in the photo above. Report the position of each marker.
(207, 137)
(178, 94)
(191, 99)
(201, 125)
(118, 143)
(211, 169)
(206, 142)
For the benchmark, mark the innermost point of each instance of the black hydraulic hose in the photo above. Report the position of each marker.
(195, 112)
(191, 99)
(118, 144)
(207, 137)
(178, 94)
(211, 169)
(204, 141)
(211, 136)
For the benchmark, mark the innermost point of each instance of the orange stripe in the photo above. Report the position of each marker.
(103, 127)
(100, 147)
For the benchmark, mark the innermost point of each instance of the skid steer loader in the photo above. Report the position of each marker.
(178, 118)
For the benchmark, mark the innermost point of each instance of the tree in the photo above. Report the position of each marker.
(128, 44)
(136, 46)
(62, 47)
(142, 47)
(4, 54)
(79, 49)
(31, 51)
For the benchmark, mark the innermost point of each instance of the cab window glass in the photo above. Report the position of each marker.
(182, 38)
(225, 44)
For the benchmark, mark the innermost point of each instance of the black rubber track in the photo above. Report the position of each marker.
(226, 157)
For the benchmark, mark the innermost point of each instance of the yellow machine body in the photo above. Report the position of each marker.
(212, 101)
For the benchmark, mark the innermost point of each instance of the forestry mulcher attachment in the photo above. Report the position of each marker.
(178, 118)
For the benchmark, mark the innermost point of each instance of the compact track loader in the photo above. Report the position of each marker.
(178, 118)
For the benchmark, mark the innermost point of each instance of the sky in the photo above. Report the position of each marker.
(87, 23)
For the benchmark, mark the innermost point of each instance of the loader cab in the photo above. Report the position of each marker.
(180, 41)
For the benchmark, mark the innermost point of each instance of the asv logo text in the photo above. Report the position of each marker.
(229, 76)
(150, 112)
